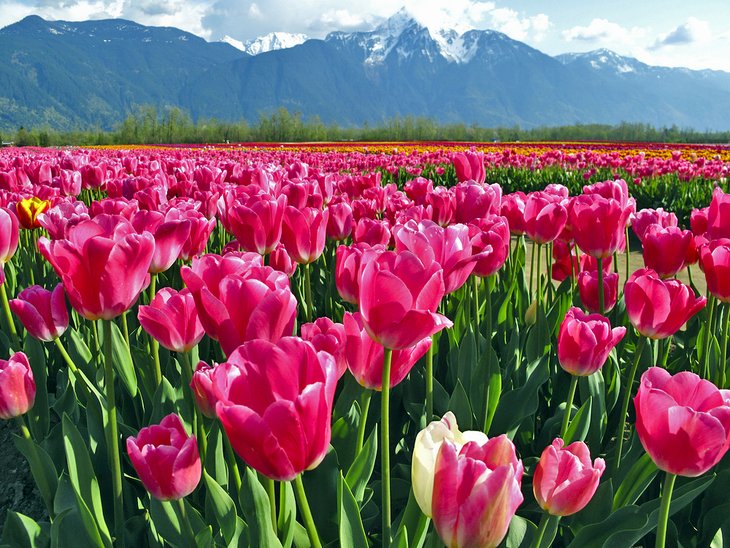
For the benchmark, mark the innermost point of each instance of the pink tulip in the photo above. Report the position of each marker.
(585, 341)
(254, 304)
(166, 459)
(659, 308)
(275, 403)
(718, 215)
(399, 296)
(490, 240)
(544, 217)
(469, 166)
(667, 250)
(475, 200)
(9, 233)
(43, 313)
(280, 260)
(340, 222)
(513, 208)
(304, 233)
(256, 222)
(172, 320)
(60, 217)
(588, 290)
(698, 221)
(200, 231)
(682, 421)
(715, 262)
(327, 336)
(598, 225)
(418, 189)
(371, 232)
(349, 262)
(103, 265)
(364, 357)
(476, 492)
(170, 237)
(202, 386)
(642, 219)
(443, 205)
(17, 386)
(565, 480)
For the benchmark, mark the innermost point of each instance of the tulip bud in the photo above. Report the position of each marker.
(43, 313)
(17, 386)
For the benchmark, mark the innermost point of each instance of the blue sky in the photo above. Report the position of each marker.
(671, 33)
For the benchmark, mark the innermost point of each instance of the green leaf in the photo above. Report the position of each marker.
(79, 352)
(517, 404)
(400, 540)
(22, 532)
(361, 470)
(39, 415)
(352, 533)
(459, 404)
(321, 487)
(256, 510)
(123, 361)
(580, 423)
(166, 521)
(641, 474)
(520, 533)
(42, 467)
(287, 513)
(69, 528)
(224, 509)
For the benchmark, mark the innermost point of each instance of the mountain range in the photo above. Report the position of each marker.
(68, 75)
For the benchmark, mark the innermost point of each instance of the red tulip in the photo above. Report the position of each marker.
(202, 386)
(275, 403)
(364, 357)
(715, 262)
(17, 386)
(490, 240)
(598, 225)
(588, 290)
(565, 480)
(544, 217)
(659, 308)
(256, 222)
(682, 421)
(172, 320)
(103, 265)
(304, 233)
(667, 250)
(585, 341)
(327, 336)
(166, 459)
(399, 296)
(43, 313)
(476, 492)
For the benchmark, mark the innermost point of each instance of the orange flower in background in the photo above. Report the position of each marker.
(29, 209)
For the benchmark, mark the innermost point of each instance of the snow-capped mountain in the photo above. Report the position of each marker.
(604, 59)
(270, 42)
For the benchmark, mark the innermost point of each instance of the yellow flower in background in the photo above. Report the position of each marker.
(29, 209)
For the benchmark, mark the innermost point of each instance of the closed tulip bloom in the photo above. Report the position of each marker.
(17, 386)
(513, 208)
(399, 296)
(60, 217)
(585, 341)
(718, 215)
(588, 290)
(698, 221)
(474, 200)
(9, 234)
(443, 205)
(304, 233)
(364, 357)
(476, 492)
(490, 241)
(425, 451)
(565, 480)
(349, 262)
(43, 313)
(682, 421)
(280, 260)
(29, 209)
(469, 166)
(170, 237)
(565, 262)
(166, 459)
(172, 319)
(103, 265)
(642, 219)
(327, 336)
(715, 261)
(545, 217)
(202, 386)
(340, 222)
(667, 249)
(598, 224)
(418, 189)
(200, 230)
(659, 308)
(256, 222)
(372, 232)
(275, 403)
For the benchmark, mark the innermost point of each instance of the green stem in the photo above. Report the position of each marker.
(365, 407)
(23, 428)
(9, 317)
(488, 308)
(429, 383)
(303, 504)
(601, 290)
(271, 492)
(198, 424)
(661, 529)
(113, 434)
(87, 385)
(708, 335)
(154, 345)
(385, 445)
(232, 463)
(125, 329)
(532, 265)
(625, 403)
(545, 521)
(568, 405)
(153, 287)
(475, 285)
(187, 528)
(539, 278)
(723, 370)
(307, 294)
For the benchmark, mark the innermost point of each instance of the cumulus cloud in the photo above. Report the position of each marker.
(693, 30)
(599, 30)
(518, 27)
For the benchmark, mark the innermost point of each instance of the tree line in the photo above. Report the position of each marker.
(148, 125)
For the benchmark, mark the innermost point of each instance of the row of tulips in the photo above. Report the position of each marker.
(230, 328)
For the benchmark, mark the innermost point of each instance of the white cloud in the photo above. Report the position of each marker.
(254, 11)
(519, 27)
(693, 30)
(603, 30)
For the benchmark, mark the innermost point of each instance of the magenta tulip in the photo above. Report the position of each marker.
(256, 222)
(349, 262)
(588, 290)
(304, 233)
(170, 237)
(642, 219)
(474, 200)
(340, 222)
(43, 313)
(476, 492)
(202, 386)
(9, 233)
(372, 232)
(103, 265)
(682, 421)
(166, 459)
(469, 166)
(443, 205)
(585, 341)
(659, 308)
(275, 403)
(399, 296)
(715, 262)
(667, 249)
(598, 225)
(545, 217)
(327, 336)
(490, 240)
(17, 386)
(718, 215)
(565, 480)
(513, 209)
(280, 260)
(172, 319)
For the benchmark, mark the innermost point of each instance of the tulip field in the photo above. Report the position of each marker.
(368, 344)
